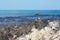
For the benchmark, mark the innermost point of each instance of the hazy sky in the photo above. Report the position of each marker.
(29, 4)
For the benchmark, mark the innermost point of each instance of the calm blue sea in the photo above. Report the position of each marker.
(4, 13)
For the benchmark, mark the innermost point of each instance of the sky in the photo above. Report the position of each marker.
(29, 4)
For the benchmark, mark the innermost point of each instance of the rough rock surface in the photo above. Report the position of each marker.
(50, 32)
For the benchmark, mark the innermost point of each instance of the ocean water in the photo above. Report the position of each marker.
(4, 13)
(18, 16)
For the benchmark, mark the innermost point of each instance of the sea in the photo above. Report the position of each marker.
(4, 13)
(17, 16)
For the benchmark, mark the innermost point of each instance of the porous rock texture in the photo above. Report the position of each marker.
(50, 32)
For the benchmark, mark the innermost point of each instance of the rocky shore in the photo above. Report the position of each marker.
(34, 30)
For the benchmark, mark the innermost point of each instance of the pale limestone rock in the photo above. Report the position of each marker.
(49, 30)
(54, 24)
(28, 36)
(46, 33)
(35, 34)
